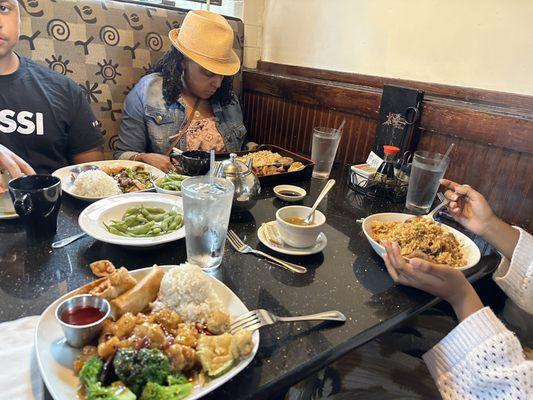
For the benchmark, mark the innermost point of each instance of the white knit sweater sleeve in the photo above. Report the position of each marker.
(516, 277)
(480, 359)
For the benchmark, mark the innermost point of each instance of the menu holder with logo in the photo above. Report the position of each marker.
(398, 119)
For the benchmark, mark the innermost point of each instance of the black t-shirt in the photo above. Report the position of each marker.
(45, 118)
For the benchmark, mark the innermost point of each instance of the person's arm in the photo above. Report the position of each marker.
(13, 164)
(515, 277)
(480, 357)
(133, 133)
(96, 154)
(471, 209)
(132, 141)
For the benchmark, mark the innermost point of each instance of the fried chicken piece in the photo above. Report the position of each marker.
(218, 322)
(152, 332)
(186, 334)
(167, 318)
(182, 358)
(102, 268)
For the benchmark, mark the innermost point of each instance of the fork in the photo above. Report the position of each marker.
(256, 319)
(242, 247)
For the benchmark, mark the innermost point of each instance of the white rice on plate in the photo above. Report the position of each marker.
(95, 184)
(187, 290)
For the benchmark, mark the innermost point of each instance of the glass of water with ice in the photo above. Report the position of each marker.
(325, 143)
(426, 172)
(206, 211)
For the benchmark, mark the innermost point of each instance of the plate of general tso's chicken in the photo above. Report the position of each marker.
(165, 336)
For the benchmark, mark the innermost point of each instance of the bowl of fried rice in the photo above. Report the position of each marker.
(423, 238)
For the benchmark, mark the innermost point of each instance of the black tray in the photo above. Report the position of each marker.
(285, 177)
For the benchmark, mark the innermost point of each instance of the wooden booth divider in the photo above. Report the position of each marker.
(493, 131)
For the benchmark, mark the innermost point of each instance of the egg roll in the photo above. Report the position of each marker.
(115, 284)
(138, 297)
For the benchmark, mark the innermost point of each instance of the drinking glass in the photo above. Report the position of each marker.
(426, 172)
(37, 200)
(325, 143)
(206, 212)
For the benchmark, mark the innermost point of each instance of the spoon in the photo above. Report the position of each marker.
(324, 191)
(67, 241)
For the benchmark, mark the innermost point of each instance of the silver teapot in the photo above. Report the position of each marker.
(247, 187)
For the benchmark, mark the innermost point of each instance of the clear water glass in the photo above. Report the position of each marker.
(325, 144)
(206, 212)
(426, 172)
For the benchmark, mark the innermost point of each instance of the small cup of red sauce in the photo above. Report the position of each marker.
(81, 318)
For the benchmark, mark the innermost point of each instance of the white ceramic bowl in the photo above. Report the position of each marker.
(165, 191)
(92, 219)
(298, 235)
(291, 199)
(470, 250)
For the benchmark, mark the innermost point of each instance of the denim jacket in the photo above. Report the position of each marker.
(148, 122)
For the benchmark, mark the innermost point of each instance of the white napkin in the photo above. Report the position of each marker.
(19, 374)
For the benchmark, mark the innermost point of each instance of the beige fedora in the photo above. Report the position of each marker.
(207, 39)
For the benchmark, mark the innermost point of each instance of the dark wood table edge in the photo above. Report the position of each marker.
(279, 386)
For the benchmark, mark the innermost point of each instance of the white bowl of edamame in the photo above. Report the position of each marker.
(135, 219)
(170, 183)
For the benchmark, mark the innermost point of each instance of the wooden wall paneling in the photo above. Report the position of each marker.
(480, 96)
(502, 127)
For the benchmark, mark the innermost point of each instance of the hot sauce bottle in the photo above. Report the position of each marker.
(385, 173)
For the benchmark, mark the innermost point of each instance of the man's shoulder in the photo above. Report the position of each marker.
(42, 72)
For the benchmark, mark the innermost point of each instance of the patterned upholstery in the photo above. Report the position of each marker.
(104, 46)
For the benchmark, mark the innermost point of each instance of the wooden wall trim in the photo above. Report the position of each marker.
(472, 95)
(494, 125)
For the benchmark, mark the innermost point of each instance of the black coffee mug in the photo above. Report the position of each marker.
(192, 163)
(37, 199)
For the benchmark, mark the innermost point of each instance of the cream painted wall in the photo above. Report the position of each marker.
(485, 44)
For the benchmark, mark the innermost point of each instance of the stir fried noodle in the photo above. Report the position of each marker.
(423, 238)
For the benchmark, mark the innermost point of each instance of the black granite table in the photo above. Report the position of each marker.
(347, 276)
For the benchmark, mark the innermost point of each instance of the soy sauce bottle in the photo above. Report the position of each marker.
(385, 174)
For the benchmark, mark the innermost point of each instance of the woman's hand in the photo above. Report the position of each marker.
(159, 161)
(15, 165)
(472, 210)
(469, 207)
(439, 280)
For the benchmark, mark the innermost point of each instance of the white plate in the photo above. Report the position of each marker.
(65, 173)
(92, 219)
(320, 244)
(470, 250)
(55, 357)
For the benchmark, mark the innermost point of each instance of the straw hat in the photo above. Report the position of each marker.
(207, 39)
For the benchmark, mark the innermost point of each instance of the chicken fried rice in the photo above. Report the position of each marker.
(423, 238)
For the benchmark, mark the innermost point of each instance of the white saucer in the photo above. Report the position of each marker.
(320, 244)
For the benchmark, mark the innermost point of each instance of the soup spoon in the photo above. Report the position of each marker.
(324, 191)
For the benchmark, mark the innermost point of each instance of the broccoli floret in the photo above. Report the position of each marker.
(94, 390)
(91, 370)
(117, 391)
(137, 367)
(178, 389)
